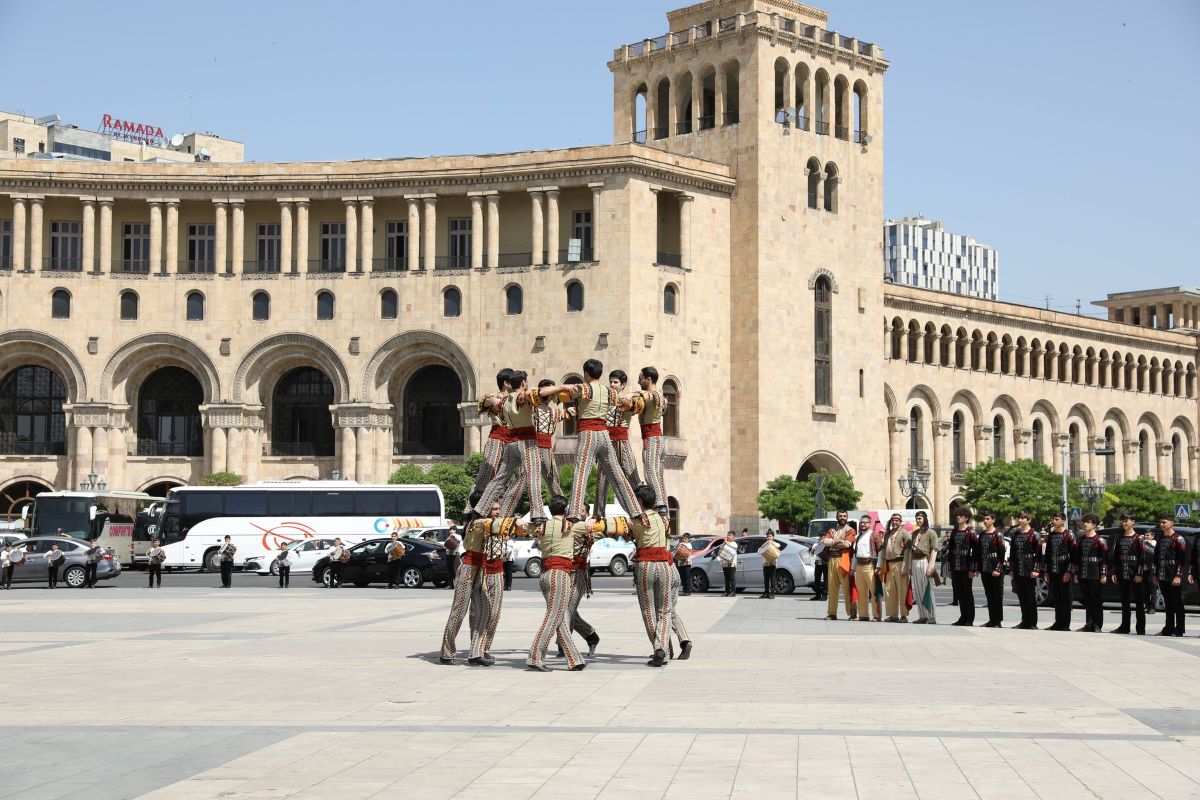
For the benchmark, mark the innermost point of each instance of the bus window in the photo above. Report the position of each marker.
(279, 504)
(195, 503)
(333, 504)
(246, 504)
(374, 504)
(422, 503)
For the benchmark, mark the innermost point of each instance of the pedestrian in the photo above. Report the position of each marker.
(6, 563)
(16, 559)
(1024, 564)
(155, 557)
(894, 569)
(920, 565)
(1091, 565)
(284, 561)
(820, 570)
(770, 555)
(1058, 570)
(1171, 566)
(337, 556)
(962, 554)
(839, 543)
(395, 552)
(54, 560)
(866, 553)
(91, 562)
(683, 562)
(453, 545)
(991, 570)
(728, 553)
(225, 555)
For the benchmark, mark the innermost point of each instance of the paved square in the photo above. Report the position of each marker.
(259, 693)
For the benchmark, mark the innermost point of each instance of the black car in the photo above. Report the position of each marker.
(422, 561)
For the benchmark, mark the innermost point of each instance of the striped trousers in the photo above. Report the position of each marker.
(549, 472)
(677, 626)
(493, 451)
(628, 464)
(485, 612)
(466, 586)
(556, 588)
(922, 589)
(579, 586)
(594, 447)
(520, 471)
(653, 582)
(652, 466)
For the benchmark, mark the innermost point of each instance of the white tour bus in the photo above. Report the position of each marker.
(106, 516)
(261, 516)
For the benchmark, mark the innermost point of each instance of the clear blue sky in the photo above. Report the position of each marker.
(1062, 132)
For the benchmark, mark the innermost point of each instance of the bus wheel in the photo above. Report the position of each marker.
(211, 562)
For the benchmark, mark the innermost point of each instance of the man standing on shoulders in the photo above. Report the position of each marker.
(557, 545)
(1171, 567)
(839, 543)
(1131, 564)
(991, 570)
(770, 554)
(498, 436)
(683, 562)
(546, 417)
(920, 565)
(618, 420)
(866, 553)
(1025, 555)
(651, 413)
(1091, 562)
(1056, 566)
(962, 554)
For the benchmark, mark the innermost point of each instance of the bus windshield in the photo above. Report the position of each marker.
(69, 513)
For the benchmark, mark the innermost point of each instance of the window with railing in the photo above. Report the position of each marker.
(32, 421)
(66, 244)
(333, 247)
(201, 248)
(6, 244)
(267, 248)
(581, 229)
(169, 414)
(135, 247)
(395, 247)
(460, 243)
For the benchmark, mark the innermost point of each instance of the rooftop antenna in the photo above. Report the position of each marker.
(1078, 307)
(1047, 302)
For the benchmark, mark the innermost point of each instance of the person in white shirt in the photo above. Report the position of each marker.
(7, 564)
(225, 554)
(54, 560)
(728, 556)
(683, 562)
(336, 554)
(770, 554)
(285, 559)
(155, 556)
(395, 552)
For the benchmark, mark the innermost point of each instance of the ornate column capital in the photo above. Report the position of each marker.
(361, 415)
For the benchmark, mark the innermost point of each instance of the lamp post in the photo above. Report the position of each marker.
(819, 484)
(93, 483)
(914, 483)
(335, 475)
(1092, 492)
(1068, 459)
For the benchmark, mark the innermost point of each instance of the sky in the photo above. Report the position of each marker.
(1061, 132)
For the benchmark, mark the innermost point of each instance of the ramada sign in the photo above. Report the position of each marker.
(126, 130)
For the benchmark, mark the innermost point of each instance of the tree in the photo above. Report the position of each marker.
(1008, 487)
(786, 499)
(1145, 497)
(408, 474)
(221, 479)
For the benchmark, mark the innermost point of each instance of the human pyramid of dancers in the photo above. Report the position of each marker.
(518, 456)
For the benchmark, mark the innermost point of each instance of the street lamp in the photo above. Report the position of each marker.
(1068, 459)
(1092, 492)
(914, 483)
(335, 475)
(819, 482)
(93, 482)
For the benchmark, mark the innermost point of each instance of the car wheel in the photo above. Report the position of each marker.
(618, 566)
(533, 567)
(274, 567)
(413, 578)
(784, 582)
(211, 562)
(325, 578)
(1041, 592)
(699, 581)
(74, 577)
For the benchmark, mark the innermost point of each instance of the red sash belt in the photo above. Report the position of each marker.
(501, 432)
(473, 559)
(557, 562)
(651, 429)
(590, 424)
(653, 554)
(544, 441)
(523, 434)
(581, 563)
(619, 434)
(493, 566)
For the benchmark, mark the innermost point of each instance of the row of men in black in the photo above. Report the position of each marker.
(1063, 559)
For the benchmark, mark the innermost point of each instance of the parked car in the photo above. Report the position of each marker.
(526, 551)
(607, 555)
(703, 545)
(794, 568)
(306, 551)
(12, 537)
(435, 535)
(422, 561)
(71, 572)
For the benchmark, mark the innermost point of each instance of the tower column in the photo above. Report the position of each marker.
(171, 266)
(535, 245)
(221, 240)
(35, 232)
(366, 241)
(156, 237)
(685, 231)
(429, 235)
(718, 96)
(697, 99)
(597, 190)
(89, 237)
(552, 226)
(493, 231)
(106, 235)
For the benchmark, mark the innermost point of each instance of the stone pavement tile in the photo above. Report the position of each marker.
(1091, 771)
(1176, 754)
(341, 790)
(1154, 774)
(196, 789)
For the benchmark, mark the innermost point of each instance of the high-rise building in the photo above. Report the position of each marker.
(920, 252)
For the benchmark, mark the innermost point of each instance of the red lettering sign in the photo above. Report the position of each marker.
(128, 130)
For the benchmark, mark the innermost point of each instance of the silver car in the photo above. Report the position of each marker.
(71, 571)
(794, 568)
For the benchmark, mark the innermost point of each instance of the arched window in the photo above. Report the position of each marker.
(195, 306)
(670, 422)
(300, 420)
(1038, 455)
(637, 115)
(451, 302)
(389, 304)
(261, 306)
(823, 341)
(914, 439)
(998, 436)
(1110, 461)
(831, 188)
(860, 112)
(574, 296)
(1177, 480)
(169, 414)
(1144, 454)
(325, 305)
(956, 443)
(432, 424)
(60, 304)
(129, 305)
(31, 413)
(514, 300)
(814, 184)
(670, 299)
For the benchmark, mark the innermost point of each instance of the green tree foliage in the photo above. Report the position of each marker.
(1146, 497)
(1008, 487)
(221, 479)
(566, 479)
(786, 499)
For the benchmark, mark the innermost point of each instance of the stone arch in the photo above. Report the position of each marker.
(889, 400)
(270, 358)
(1084, 414)
(1150, 421)
(19, 491)
(136, 359)
(828, 274)
(967, 398)
(928, 397)
(402, 355)
(428, 421)
(821, 460)
(19, 348)
(1046, 409)
(160, 482)
(1009, 406)
(1183, 425)
(1116, 417)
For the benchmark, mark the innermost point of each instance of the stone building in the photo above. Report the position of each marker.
(289, 320)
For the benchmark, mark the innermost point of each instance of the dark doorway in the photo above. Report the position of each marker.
(301, 424)
(169, 414)
(432, 425)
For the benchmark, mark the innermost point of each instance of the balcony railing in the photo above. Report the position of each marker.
(707, 123)
(149, 447)
(802, 122)
(452, 262)
(585, 255)
(197, 267)
(327, 265)
(730, 118)
(1179, 484)
(957, 468)
(918, 464)
(1112, 478)
(389, 264)
(514, 259)
(683, 127)
(63, 263)
(841, 132)
(661, 132)
(822, 128)
(11, 446)
(261, 267)
(726, 24)
(639, 137)
(669, 259)
(136, 266)
(6, 262)
(814, 200)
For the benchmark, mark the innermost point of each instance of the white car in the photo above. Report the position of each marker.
(611, 555)
(306, 552)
